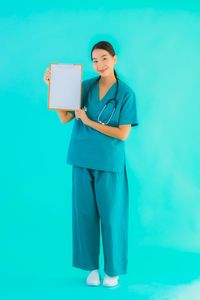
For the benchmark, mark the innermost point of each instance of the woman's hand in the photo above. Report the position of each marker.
(47, 76)
(81, 114)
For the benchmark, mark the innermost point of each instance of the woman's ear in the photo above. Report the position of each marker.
(115, 59)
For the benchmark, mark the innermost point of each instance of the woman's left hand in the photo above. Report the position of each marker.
(81, 114)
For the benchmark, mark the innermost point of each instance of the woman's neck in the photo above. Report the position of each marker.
(107, 81)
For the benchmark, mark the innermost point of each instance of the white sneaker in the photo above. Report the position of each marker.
(93, 278)
(110, 281)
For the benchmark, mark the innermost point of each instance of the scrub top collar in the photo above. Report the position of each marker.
(107, 93)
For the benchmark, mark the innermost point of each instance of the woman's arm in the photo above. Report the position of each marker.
(64, 115)
(120, 132)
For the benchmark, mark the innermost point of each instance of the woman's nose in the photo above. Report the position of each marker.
(100, 67)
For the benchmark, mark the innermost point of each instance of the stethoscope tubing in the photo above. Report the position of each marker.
(115, 99)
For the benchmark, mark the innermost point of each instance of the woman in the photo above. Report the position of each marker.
(97, 153)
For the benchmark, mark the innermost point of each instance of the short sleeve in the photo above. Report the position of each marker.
(128, 112)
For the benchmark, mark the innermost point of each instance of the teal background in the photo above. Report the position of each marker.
(158, 46)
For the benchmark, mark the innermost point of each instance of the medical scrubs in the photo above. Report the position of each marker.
(99, 180)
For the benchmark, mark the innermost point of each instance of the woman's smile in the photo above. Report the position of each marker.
(101, 71)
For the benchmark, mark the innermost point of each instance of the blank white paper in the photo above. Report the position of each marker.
(65, 86)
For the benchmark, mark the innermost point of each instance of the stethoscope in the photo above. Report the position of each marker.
(110, 100)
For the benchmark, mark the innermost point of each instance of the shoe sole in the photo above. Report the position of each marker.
(90, 284)
(107, 285)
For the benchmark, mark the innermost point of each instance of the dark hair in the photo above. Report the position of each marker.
(105, 46)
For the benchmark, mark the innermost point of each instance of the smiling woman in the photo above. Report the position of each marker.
(104, 59)
(100, 183)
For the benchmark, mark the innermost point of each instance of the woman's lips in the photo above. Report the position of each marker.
(101, 71)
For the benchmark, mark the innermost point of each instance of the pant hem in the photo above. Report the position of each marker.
(115, 273)
(85, 268)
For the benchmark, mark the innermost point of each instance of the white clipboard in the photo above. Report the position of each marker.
(65, 86)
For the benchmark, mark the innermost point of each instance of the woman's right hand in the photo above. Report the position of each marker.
(47, 76)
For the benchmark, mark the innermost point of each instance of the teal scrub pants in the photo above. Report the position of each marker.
(100, 197)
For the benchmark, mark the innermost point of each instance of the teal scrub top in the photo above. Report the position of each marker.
(90, 148)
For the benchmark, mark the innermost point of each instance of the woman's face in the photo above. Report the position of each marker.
(103, 62)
